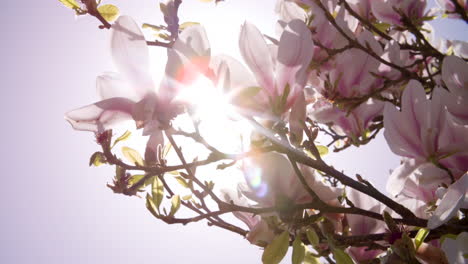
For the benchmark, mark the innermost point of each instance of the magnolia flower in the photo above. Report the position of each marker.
(280, 71)
(391, 11)
(455, 198)
(363, 225)
(353, 124)
(422, 130)
(272, 181)
(259, 234)
(455, 77)
(343, 81)
(131, 94)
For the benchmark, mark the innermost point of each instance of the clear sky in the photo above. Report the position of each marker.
(55, 209)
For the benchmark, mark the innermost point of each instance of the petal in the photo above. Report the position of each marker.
(111, 85)
(295, 51)
(131, 55)
(288, 10)
(456, 196)
(256, 54)
(455, 74)
(102, 115)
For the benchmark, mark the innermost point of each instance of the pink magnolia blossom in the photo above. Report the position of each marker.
(363, 225)
(281, 71)
(259, 232)
(271, 180)
(132, 94)
(344, 80)
(422, 130)
(353, 124)
(389, 11)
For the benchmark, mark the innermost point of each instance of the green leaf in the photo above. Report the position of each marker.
(97, 159)
(119, 172)
(136, 178)
(123, 137)
(157, 190)
(312, 237)
(182, 182)
(187, 197)
(175, 205)
(133, 156)
(151, 206)
(187, 24)
(298, 251)
(277, 249)
(382, 26)
(420, 236)
(70, 4)
(109, 12)
(341, 257)
(323, 150)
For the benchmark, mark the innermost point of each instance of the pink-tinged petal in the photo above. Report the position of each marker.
(384, 12)
(457, 105)
(399, 176)
(295, 51)
(455, 75)
(297, 118)
(456, 249)
(455, 198)
(288, 10)
(363, 254)
(362, 225)
(193, 41)
(231, 75)
(189, 57)
(102, 115)
(111, 85)
(256, 54)
(131, 55)
(155, 141)
(403, 129)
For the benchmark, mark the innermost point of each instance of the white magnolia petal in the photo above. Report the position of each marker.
(102, 115)
(297, 118)
(456, 197)
(111, 85)
(456, 249)
(193, 41)
(256, 54)
(131, 55)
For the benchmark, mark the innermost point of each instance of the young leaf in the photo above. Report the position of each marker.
(133, 156)
(109, 12)
(187, 24)
(97, 159)
(70, 4)
(277, 249)
(157, 190)
(151, 206)
(312, 237)
(182, 182)
(123, 137)
(341, 257)
(322, 150)
(175, 205)
(420, 236)
(298, 251)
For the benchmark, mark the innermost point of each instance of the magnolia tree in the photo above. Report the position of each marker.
(340, 71)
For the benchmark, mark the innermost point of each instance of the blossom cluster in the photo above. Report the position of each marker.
(344, 69)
